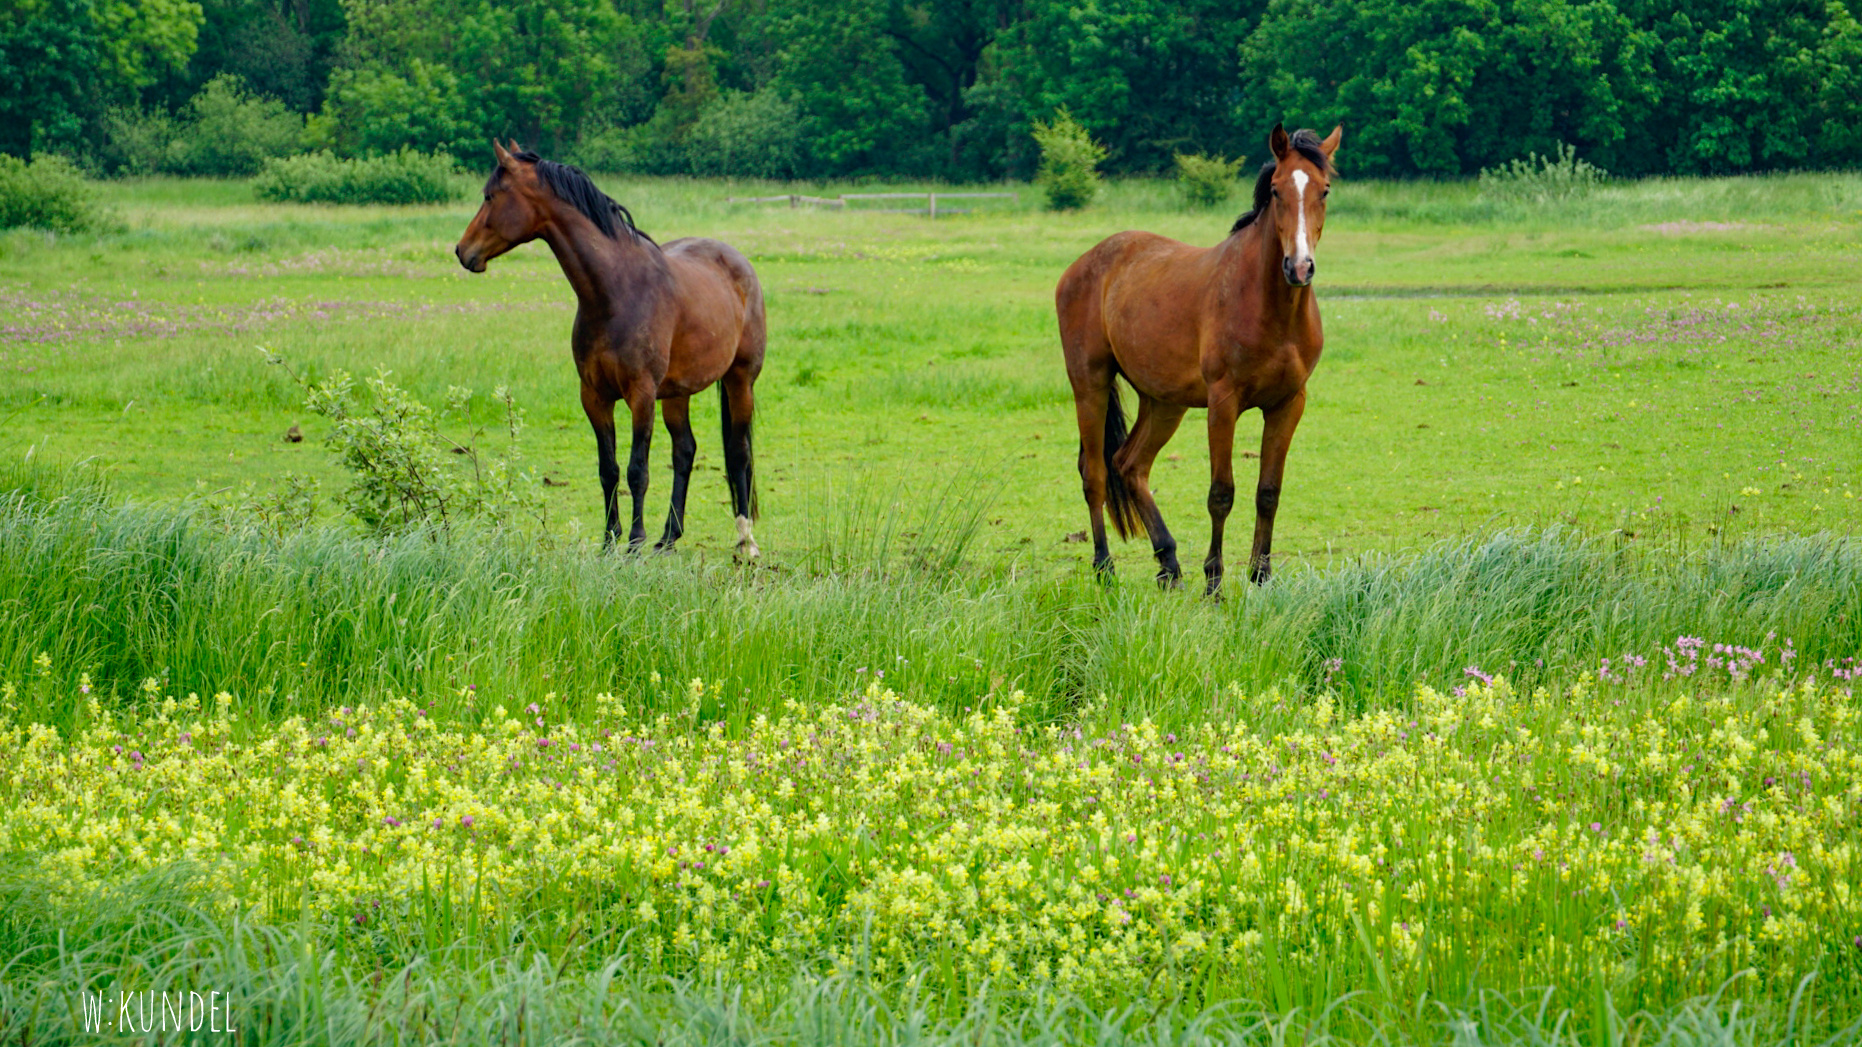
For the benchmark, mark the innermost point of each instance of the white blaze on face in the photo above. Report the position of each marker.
(1302, 250)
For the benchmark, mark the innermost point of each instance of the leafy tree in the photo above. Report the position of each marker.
(751, 135)
(539, 70)
(859, 110)
(1751, 84)
(230, 131)
(942, 47)
(1437, 87)
(439, 74)
(371, 111)
(63, 63)
(1151, 77)
(282, 49)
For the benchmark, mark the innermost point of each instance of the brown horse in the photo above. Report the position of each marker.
(652, 323)
(1228, 328)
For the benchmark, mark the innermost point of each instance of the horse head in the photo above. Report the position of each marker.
(514, 211)
(1301, 179)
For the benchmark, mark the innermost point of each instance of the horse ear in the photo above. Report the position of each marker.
(1330, 145)
(504, 158)
(1278, 142)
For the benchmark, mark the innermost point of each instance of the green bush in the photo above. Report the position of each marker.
(1542, 179)
(613, 149)
(371, 110)
(47, 193)
(404, 473)
(745, 135)
(406, 177)
(227, 130)
(1207, 180)
(136, 141)
(224, 130)
(1069, 162)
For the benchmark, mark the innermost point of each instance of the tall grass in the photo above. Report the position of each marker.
(129, 592)
(293, 985)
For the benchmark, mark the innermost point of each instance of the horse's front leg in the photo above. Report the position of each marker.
(1223, 410)
(1276, 437)
(640, 400)
(600, 411)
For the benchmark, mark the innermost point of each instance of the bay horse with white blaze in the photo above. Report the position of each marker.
(653, 324)
(1230, 327)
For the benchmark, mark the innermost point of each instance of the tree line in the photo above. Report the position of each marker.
(947, 89)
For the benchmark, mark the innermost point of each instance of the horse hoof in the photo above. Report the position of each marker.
(747, 551)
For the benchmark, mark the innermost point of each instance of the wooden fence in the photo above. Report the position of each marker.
(840, 202)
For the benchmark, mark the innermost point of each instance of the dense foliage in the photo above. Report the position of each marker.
(778, 88)
(46, 194)
(403, 177)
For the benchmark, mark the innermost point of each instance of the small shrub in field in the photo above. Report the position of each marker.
(1069, 163)
(47, 193)
(406, 177)
(136, 141)
(745, 135)
(224, 130)
(612, 149)
(1542, 179)
(405, 474)
(1207, 180)
(227, 130)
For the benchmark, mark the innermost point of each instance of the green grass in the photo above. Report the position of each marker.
(128, 592)
(1635, 385)
(1537, 441)
(294, 989)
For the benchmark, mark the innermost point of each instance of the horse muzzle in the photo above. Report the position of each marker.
(472, 260)
(1299, 272)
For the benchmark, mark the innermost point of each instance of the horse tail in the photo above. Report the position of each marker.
(749, 449)
(1119, 503)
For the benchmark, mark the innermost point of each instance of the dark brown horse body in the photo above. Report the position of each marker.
(1228, 328)
(653, 324)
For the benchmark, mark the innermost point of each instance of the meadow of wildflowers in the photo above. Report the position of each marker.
(1644, 843)
(1545, 736)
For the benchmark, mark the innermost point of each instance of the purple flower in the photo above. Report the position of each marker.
(466, 821)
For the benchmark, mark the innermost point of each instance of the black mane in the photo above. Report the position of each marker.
(1305, 141)
(577, 190)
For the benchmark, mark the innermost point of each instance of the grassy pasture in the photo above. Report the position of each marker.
(1665, 357)
(1544, 445)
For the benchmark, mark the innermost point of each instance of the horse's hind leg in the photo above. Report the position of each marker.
(1157, 422)
(737, 396)
(1089, 406)
(677, 413)
(1276, 437)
